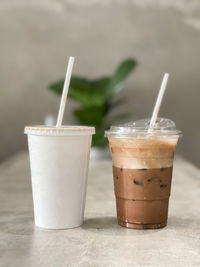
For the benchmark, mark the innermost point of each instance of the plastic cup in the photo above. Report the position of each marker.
(142, 172)
(59, 159)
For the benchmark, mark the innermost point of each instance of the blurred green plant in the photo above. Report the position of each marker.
(96, 99)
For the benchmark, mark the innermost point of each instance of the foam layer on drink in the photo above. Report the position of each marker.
(142, 153)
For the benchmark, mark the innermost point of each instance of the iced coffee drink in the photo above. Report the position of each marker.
(142, 171)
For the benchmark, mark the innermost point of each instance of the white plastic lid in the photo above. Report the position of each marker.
(61, 131)
(163, 127)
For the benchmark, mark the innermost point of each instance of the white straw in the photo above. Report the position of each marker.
(159, 101)
(65, 92)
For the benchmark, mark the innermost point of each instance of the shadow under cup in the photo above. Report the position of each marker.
(142, 173)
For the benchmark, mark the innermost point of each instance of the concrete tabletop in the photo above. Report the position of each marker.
(100, 241)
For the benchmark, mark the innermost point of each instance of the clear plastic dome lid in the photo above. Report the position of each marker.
(162, 127)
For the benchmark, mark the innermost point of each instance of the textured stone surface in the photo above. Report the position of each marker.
(100, 241)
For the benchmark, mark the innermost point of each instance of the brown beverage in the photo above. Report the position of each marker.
(142, 173)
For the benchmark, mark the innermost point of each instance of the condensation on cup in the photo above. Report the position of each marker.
(59, 159)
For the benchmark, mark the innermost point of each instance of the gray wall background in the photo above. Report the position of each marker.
(37, 36)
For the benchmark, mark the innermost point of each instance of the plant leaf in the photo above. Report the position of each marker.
(57, 87)
(124, 69)
(81, 90)
(90, 115)
(87, 97)
(101, 83)
(91, 94)
(80, 82)
(98, 139)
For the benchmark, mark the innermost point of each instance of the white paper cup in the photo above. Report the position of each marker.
(59, 159)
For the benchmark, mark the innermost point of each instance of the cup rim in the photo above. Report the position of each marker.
(144, 135)
(65, 130)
